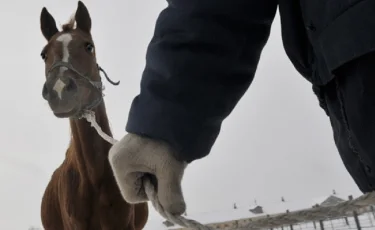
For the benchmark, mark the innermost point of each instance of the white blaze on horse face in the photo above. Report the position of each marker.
(58, 87)
(65, 39)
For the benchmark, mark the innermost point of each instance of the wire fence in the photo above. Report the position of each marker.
(355, 214)
(364, 220)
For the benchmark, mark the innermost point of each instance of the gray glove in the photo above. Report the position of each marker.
(134, 156)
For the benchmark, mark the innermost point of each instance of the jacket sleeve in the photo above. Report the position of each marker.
(199, 63)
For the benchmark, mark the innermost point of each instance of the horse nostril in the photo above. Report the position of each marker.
(45, 92)
(71, 85)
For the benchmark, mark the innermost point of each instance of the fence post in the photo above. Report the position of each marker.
(268, 216)
(346, 220)
(372, 210)
(314, 220)
(321, 224)
(356, 220)
(291, 226)
(355, 215)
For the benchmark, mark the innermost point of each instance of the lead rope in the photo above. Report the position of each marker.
(149, 187)
(267, 222)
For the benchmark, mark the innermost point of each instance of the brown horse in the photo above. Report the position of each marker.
(82, 193)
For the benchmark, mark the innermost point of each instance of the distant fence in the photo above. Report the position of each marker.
(351, 214)
(365, 219)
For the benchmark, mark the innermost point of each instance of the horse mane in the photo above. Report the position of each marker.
(70, 25)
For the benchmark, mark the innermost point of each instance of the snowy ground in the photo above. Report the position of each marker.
(366, 220)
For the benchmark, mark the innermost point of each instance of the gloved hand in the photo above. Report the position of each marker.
(135, 156)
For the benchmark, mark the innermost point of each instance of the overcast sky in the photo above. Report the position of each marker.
(277, 142)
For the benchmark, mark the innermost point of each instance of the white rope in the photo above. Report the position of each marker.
(312, 214)
(149, 187)
(90, 117)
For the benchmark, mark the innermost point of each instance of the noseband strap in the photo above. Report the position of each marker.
(96, 84)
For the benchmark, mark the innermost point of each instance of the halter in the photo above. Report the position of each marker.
(98, 85)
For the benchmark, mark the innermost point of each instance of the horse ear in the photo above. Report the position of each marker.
(83, 18)
(47, 24)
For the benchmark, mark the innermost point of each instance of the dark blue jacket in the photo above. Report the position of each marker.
(204, 53)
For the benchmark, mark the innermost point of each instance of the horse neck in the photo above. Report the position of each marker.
(87, 148)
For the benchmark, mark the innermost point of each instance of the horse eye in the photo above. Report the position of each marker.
(90, 47)
(43, 55)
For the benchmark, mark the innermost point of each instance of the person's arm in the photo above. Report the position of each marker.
(199, 63)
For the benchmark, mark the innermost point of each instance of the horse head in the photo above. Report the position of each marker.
(73, 84)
